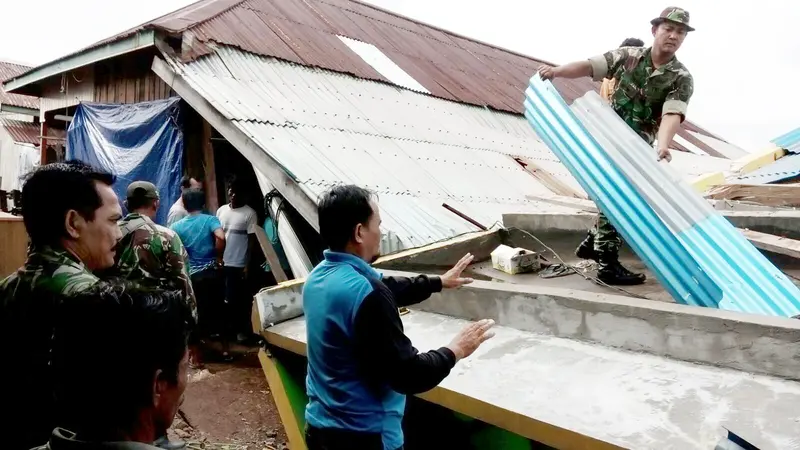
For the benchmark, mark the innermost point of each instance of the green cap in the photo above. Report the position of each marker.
(142, 190)
(674, 14)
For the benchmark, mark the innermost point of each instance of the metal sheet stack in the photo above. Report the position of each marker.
(699, 257)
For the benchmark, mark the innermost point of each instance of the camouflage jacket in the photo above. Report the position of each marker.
(643, 94)
(152, 255)
(29, 300)
(50, 270)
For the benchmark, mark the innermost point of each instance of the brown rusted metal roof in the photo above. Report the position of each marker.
(448, 65)
(28, 132)
(11, 70)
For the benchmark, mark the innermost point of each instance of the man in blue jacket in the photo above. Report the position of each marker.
(361, 365)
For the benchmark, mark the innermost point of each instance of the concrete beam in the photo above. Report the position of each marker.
(445, 253)
(753, 343)
(748, 342)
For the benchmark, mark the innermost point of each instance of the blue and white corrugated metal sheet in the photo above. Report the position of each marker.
(415, 151)
(789, 141)
(698, 256)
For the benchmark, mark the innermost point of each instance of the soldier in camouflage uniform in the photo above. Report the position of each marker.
(651, 95)
(70, 214)
(148, 253)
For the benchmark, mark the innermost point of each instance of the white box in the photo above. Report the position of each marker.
(515, 260)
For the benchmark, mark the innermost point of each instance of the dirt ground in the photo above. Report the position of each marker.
(228, 406)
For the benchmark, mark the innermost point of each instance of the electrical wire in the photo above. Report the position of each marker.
(577, 270)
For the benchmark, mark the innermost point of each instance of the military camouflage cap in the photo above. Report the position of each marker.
(142, 189)
(674, 14)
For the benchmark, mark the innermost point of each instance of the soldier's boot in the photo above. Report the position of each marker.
(611, 272)
(586, 249)
(164, 443)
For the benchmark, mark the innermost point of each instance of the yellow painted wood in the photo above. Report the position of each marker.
(754, 161)
(707, 181)
(294, 432)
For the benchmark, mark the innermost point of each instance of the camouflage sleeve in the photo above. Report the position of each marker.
(607, 63)
(677, 100)
(177, 265)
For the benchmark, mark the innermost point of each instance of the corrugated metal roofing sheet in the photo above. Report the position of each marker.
(789, 141)
(782, 169)
(27, 132)
(699, 257)
(414, 150)
(11, 70)
(446, 64)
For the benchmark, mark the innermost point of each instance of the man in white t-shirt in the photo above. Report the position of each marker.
(177, 211)
(239, 222)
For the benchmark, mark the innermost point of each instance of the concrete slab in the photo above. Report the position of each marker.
(626, 399)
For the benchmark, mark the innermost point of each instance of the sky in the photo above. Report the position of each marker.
(743, 59)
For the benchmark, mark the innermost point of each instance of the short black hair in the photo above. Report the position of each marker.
(108, 343)
(632, 42)
(339, 210)
(193, 199)
(186, 181)
(139, 202)
(51, 190)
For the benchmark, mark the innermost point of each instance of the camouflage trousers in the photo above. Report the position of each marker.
(606, 237)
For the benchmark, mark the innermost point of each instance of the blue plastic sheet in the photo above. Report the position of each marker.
(140, 141)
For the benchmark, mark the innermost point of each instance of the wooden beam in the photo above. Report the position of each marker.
(209, 168)
(765, 194)
(772, 243)
(271, 255)
(278, 175)
(43, 144)
(549, 180)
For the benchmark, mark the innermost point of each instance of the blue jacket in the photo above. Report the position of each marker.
(360, 363)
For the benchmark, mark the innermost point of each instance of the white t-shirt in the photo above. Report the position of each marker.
(238, 224)
(176, 213)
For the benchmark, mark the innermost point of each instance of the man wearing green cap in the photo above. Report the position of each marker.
(652, 93)
(153, 256)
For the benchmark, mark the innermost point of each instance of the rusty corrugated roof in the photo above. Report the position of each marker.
(10, 70)
(28, 132)
(448, 65)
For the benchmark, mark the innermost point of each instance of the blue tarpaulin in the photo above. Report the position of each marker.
(140, 141)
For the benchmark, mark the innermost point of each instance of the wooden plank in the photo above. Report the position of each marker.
(271, 255)
(14, 242)
(549, 180)
(754, 161)
(772, 243)
(765, 194)
(210, 168)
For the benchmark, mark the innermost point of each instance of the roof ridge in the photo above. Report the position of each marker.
(15, 63)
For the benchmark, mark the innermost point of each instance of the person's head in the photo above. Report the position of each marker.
(349, 221)
(632, 42)
(142, 198)
(120, 362)
(188, 182)
(237, 192)
(194, 200)
(670, 29)
(72, 205)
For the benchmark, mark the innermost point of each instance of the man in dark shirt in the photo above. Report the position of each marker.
(361, 365)
(120, 367)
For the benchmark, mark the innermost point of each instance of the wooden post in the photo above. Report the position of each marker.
(43, 144)
(209, 169)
